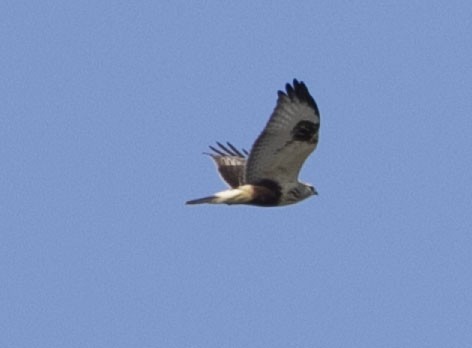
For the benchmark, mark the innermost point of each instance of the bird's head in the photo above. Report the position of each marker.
(308, 190)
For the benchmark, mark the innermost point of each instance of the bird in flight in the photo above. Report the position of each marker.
(267, 176)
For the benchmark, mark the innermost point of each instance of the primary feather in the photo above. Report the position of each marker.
(231, 163)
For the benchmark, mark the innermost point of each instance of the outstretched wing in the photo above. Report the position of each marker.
(289, 137)
(230, 162)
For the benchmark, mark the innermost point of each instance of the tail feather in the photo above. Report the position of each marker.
(240, 195)
(209, 199)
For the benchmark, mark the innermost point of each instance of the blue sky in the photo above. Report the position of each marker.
(106, 110)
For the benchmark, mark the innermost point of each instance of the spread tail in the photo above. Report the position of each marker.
(209, 199)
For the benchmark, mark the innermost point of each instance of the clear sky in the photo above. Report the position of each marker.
(106, 108)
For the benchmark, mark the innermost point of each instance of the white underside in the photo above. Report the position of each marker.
(242, 194)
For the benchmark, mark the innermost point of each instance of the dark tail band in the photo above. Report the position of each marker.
(201, 200)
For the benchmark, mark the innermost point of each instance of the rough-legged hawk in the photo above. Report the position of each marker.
(268, 175)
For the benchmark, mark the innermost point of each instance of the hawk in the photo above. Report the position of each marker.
(267, 176)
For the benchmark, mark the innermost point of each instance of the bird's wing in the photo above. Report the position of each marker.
(290, 136)
(230, 163)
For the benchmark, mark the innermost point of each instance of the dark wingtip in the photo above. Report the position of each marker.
(216, 150)
(226, 150)
(300, 91)
(235, 150)
(289, 89)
